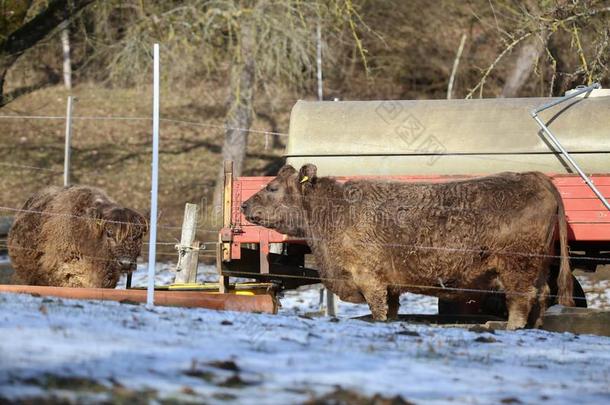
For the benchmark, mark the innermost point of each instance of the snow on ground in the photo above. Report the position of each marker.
(597, 292)
(85, 351)
(165, 274)
(305, 300)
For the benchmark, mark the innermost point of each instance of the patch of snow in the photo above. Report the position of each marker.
(169, 353)
(306, 300)
(596, 291)
(165, 274)
(285, 358)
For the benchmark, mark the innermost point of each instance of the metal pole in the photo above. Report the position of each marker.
(67, 148)
(152, 246)
(319, 60)
(558, 145)
(331, 298)
(566, 98)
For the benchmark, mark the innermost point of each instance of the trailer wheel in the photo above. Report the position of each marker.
(494, 305)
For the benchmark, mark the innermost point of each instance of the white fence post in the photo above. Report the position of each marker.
(67, 147)
(152, 246)
(330, 309)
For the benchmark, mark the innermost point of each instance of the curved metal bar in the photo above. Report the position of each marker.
(558, 145)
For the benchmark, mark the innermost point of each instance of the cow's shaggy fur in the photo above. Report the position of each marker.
(374, 240)
(74, 237)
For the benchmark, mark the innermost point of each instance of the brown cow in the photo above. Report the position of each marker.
(374, 240)
(74, 237)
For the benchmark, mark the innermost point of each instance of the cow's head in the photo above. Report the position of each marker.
(280, 204)
(121, 231)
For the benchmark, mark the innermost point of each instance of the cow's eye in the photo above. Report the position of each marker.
(273, 188)
(109, 232)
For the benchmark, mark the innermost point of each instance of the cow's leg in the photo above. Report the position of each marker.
(542, 291)
(374, 290)
(393, 303)
(519, 303)
(539, 307)
(377, 299)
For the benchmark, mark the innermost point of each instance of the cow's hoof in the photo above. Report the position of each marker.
(515, 325)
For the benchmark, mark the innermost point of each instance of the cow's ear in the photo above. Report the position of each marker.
(142, 221)
(94, 216)
(146, 221)
(145, 226)
(95, 211)
(307, 175)
(286, 170)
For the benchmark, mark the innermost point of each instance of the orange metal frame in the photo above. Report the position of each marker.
(588, 220)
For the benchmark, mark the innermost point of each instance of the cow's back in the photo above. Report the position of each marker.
(24, 242)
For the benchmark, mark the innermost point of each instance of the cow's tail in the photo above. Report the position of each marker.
(565, 285)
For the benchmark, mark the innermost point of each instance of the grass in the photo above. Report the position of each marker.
(115, 154)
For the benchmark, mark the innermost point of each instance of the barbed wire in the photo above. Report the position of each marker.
(416, 152)
(5, 245)
(476, 250)
(4, 241)
(94, 258)
(141, 118)
(201, 124)
(343, 199)
(33, 117)
(469, 250)
(352, 201)
(322, 279)
(87, 218)
(365, 178)
(404, 285)
(31, 167)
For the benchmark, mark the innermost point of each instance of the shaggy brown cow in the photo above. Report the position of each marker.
(74, 237)
(374, 240)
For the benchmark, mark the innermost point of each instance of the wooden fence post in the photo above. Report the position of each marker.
(331, 303)
(224, 248)
(188, 249)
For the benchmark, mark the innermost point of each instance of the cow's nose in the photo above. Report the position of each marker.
(244, 206)
(126, 262)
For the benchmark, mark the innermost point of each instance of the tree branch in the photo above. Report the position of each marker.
(34, 31)
(491, 67)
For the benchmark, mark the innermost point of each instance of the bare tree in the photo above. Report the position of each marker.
(240, 103)
(527, 56)
(531, 28)
(262, 42)
(67, 65)
(28, 34)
